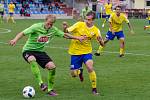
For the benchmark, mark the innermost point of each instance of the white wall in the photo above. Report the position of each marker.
(139, 4)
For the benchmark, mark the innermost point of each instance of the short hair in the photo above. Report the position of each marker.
(118, 7)
(52, 17)
(91, 13)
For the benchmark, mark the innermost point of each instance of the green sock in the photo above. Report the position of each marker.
(51, 76)
(1, 19)
(36, 71)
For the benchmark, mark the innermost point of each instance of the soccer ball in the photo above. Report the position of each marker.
(28, 92)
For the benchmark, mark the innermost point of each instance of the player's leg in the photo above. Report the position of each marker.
(30, 58)
(122, 47)
(121, 38)
(146, 27)
(1, 17)
(106, 19)
(51, 76)
(103, 25)
(92, 75)
(101, 48)
(8, 17)
(76, 67)
(46, 62)
(109, 36)
(12, 17)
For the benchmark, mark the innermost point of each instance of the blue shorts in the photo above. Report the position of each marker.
(111, 36)
(77, 60)
(107, 17)
(11, 14)
(149, 22)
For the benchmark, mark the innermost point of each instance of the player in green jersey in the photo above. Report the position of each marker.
(1, 11)
(38, 36)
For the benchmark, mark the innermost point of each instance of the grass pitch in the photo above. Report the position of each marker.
(125, 78)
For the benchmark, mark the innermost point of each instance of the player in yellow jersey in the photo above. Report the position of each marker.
(148, 18)
(108, 11)
(115, 30)
(81, 52)
(11, 8)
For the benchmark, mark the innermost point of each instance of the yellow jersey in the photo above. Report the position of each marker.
(117, 21)
(108, 8)
(81, 29)
(148, 18)
(11, 8)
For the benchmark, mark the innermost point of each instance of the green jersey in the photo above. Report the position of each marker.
(85, 11)
(1, 7)
(35, 32)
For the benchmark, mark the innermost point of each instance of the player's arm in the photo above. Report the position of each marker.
(130, 28)
(100, 40)
(129, 25)
(18, 37)
(80, 38)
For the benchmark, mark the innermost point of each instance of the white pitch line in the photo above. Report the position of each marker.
(127, 53)
(4, 30)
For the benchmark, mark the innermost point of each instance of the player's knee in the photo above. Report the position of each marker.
(90, 69)
(31, 58)
(50, 65)
(122, 40)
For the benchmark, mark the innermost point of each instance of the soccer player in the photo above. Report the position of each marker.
(115, 30)
(1, 12)
(39, 35)
(11, 8)
(85, 10)
(148, 18)
(108, 11)
(82, 52)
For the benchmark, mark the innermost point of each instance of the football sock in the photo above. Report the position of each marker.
(100, 49)
(148, 26)
(121, 51)
(8, 19)
(1, 19)
(12, 18)
(36, 71)
(78, 71)
(92, 76)
(104, 22)
(51, 76)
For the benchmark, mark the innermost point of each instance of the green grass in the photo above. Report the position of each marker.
(125, 78)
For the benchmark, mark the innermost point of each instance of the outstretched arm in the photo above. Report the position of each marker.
(14, 41)
(80, 38)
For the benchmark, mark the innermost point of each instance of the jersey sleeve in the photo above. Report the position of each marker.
(29, 30)
(73, 27)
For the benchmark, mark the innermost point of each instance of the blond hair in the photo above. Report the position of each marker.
(52, 17)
